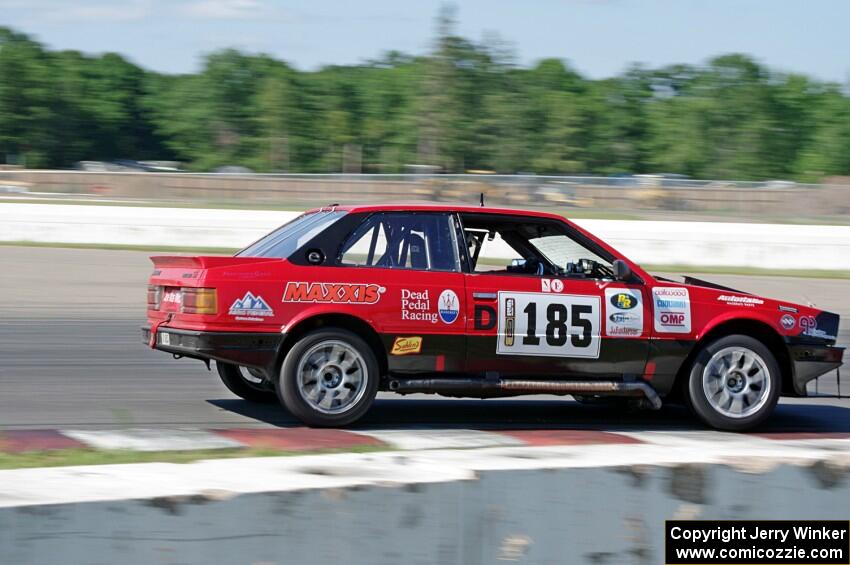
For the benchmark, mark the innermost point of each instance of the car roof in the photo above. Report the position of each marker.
(441, 207)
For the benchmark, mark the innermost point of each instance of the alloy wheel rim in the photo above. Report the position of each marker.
(736, 382)
(331, 377)
(253, 378)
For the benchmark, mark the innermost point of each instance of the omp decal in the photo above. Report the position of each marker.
(416, 306)
(407, 345)
(671, 310)
(788, 322)
(625, 312)
(333, 292)
(549, 325)
(448, 306)
(250, 305)
(742, 300)
(551, 285)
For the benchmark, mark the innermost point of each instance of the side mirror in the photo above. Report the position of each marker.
(622, 271)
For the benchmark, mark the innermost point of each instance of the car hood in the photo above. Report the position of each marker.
(796, 321)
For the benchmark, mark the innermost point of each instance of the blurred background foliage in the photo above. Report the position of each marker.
(464, 106)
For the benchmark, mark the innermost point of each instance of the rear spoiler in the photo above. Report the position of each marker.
(203, 261)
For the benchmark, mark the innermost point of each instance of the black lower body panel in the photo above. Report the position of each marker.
(810, 361)
(255, 350)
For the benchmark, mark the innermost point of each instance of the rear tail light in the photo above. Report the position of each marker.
(154, 297)
(199, 301)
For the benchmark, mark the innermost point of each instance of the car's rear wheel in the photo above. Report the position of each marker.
(329, 378)
(246, 383)
(734, 383)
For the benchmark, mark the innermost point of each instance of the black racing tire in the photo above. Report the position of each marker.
(330, 363)
(236, 382)
(706, 393)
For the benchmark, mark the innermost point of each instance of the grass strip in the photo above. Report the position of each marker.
(74, 457)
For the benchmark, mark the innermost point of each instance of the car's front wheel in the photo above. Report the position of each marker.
(329, 378)
(734, 383)
(246, 383)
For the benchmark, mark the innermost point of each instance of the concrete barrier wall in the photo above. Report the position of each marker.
(778, 246)
(595, 515)
(753, 199)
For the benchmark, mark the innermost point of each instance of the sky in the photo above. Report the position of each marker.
(600, 38)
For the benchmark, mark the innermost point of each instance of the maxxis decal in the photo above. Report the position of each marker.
(336, 293)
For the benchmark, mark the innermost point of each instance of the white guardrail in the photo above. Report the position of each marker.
(772, 246)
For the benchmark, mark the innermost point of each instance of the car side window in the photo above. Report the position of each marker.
(402, 240)
(492, 253)
(541, 247)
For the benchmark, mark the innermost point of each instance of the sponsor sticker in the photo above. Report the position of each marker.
(671, 310)
(172, 296)
(250, 306)
(551, 285)
(621, 300)
(625, 313)
(810, 328)
(338, 293)
(416, 306)
(407, 345)
(788, 322)
(740, 300)
(448, 306)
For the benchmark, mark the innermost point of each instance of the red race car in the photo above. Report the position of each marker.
(466, 301)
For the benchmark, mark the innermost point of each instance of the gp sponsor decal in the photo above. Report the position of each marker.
(551, 285)
(448, 306)
(338, 293)
(671, 310)
(810, 328)
(740, 300)
(250, 306)
(788, 322)
(625, 313)
(407, 345)
(548, 325)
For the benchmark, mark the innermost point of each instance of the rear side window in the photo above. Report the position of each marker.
(285, 240)
(403, 240)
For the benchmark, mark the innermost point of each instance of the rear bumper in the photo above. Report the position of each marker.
(810, 361)
(256, 350)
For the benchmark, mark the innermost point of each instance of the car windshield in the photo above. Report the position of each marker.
(286, 239)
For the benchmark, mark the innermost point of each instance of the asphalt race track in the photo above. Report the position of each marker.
(71, 356)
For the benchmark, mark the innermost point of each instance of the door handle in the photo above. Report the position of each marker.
(484, 295)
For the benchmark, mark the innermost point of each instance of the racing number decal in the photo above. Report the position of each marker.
(554, 325)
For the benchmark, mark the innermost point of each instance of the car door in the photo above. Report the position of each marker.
(419, 317)
(535, 324)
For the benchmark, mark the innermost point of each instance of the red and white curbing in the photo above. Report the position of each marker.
(308, 440)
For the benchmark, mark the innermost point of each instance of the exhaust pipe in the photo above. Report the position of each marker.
(513, 387)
